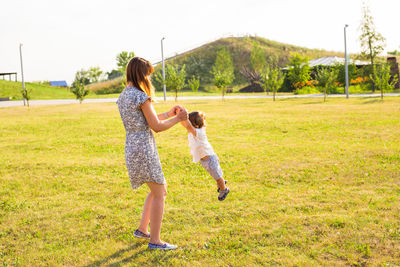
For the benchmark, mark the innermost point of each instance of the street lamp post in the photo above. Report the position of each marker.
(22, 71)
(346, 68)
(163, 69)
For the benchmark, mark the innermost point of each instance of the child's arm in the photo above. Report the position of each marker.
(189, 127)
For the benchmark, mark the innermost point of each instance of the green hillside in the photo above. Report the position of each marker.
(199, 61)
(38, 91)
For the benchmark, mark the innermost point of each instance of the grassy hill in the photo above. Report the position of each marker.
(38, 91)
(199, 61)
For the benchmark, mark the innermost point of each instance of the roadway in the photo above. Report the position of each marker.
(4, 104)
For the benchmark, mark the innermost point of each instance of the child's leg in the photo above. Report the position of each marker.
(221, 184)
(211, 164)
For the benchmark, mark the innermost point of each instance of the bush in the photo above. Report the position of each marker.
(107, 87)
(299, 70)
(352, 71)
(358, 89)
(335, 90)
(307, 90)
(79, 91)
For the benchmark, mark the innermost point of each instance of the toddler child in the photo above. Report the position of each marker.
(202, 151)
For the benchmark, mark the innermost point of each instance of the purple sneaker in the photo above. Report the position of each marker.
(223, 194)
(166, 246)
(140, 234)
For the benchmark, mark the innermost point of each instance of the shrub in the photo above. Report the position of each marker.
(175, 78)
(194, 83)
(358, 80)
(114, 86)
(335, 90)
(326, 79)
(223, 70)
(299, 70)
(79, 91)
(310, 83)
(382, 78)
(306, 90)
(352, 72)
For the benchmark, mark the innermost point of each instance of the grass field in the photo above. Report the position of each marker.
(312, 183)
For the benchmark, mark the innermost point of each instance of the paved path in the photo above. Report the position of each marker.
(4, 104)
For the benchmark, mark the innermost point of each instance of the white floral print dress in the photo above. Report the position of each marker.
(141, 154)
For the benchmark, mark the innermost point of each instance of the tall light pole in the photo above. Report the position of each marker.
(22, 71)
(163, 69)
(346, 68)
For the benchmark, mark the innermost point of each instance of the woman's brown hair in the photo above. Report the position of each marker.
(197, 118)
(137, 72)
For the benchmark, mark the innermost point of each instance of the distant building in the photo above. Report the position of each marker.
(58, 83)
(331, 61)
(393, 61)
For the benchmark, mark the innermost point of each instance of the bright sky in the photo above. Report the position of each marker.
(62, 37)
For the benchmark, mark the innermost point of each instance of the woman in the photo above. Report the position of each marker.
(141, 155)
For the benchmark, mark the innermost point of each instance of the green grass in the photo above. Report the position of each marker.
(38, 91)
(312, 183)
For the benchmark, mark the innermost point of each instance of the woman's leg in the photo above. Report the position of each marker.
(159, 192)
(144, 223)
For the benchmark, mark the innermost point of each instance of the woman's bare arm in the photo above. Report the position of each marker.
(169, 114)
(153, 119)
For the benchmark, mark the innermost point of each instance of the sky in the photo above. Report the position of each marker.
(61, 37)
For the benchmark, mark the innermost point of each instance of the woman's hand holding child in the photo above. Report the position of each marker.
(182, 113)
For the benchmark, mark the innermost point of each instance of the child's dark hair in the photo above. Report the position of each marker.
(197, 118)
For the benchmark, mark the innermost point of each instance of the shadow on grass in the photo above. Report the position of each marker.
(315, 102)
(116, 255)
(160, 256)
(372, 101)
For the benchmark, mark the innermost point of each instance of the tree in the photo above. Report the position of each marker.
(394, 52)
(81, 77)
(194, 83)
(79, 91)
(123, 59)
(113, 74)
(223, 70)
(94, 74)
(272, 76)
(299, 70)
(257, 59)
(26, 94)
(326, 78)
(175, 78)
(372, 42)
(382, 78)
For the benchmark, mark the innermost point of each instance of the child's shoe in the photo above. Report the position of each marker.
(223, 194)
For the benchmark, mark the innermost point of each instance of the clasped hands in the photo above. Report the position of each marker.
(180, 112)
